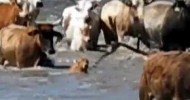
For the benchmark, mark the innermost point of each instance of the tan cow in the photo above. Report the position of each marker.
(25, 46)
(118, 19)
(80, 66)
(166, 76)
(11, 13)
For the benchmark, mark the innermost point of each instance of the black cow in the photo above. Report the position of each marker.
(167, 25)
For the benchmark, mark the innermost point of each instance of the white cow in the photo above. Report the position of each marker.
(75, 24)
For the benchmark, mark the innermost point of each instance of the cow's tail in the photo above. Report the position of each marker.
(145, 56)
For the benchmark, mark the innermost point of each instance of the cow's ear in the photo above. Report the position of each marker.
(178, 5)
(33, 32)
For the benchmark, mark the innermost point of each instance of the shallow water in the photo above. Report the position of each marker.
(116, 78)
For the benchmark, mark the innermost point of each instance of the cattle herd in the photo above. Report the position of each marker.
(161, 25)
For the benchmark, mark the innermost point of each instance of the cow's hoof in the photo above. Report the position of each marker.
(109, 49)
(91, 48)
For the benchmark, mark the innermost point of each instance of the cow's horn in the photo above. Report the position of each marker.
(57, 22)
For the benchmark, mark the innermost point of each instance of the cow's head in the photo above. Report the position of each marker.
(86, 6)
(41, 40)
(47, 33)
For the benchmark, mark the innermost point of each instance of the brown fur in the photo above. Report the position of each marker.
(81, 66)
(9, 14)
(22, 46)
(166, 76)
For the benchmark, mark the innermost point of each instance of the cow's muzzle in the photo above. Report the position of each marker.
(39, 4)
(52, 51)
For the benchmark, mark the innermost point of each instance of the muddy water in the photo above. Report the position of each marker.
(115, 78)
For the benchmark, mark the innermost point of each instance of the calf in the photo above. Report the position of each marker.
(166, 76)
(80, 66)
(25, 46)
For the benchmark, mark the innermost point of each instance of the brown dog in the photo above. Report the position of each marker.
(80, 66)
(166, 76)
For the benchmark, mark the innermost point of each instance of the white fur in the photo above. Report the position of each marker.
(75, 26)
(5, 1)
(29, 7)
(140, 7)
(76, 23)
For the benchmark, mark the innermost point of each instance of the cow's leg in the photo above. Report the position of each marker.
(5, 63)
(36, 63)
(107, 37)
(107, 33)
(143, 91)
(2, 60)
(138, 43)
(95, 31)
(18, 65)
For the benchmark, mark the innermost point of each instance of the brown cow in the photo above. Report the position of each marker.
(166, 76)
(11, 13)
(80, 66)
(25, 46)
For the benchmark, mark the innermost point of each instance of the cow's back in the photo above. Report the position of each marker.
(9, 14)
(9, 41)
(16, 42)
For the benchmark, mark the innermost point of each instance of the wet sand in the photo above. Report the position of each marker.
(115, 78)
